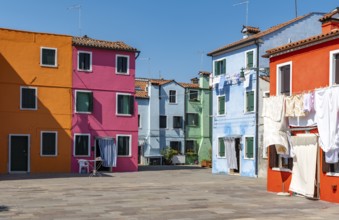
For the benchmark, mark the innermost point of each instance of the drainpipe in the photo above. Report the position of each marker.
(137, 54)
(257, 42)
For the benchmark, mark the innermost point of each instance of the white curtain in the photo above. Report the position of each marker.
(304, 165)
(108, 152)
(230, 153)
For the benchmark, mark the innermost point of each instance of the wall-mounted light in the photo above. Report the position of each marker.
(242, 75)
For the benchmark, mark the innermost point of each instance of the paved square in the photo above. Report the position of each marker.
(179, 193)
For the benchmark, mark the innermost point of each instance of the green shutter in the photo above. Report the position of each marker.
(223, 64)
(249, 147)
(221, 105)
(250, 101)
(250, 59)
(221, 147)
(216, 68)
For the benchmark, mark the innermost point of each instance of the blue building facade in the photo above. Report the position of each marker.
(237, 124)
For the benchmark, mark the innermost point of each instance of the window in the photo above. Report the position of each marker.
(331, 169)
(124, 145)
(221, 148)
(277, 161)
(249, 59)
(221, 105)
(163, 121)
(139, 122)
(191, 146)
(84, 61)
(125, 104)
(219, 67)
(193, 95)
(192, 119)
(334, 67)
(122, 63)
(81, 144)
(83, 101)
(249, 148)
(176, 145)
(177, 122)
(48, 57)
(172, 96)
(249, 101)
(48, 145)
(284, 79)
(28, 98)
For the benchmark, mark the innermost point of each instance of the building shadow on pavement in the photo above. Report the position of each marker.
(3, 208)
(9, 177)
(142, 168)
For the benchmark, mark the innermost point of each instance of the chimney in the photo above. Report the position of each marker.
(330, 21)
(195, 80)
(249, 31)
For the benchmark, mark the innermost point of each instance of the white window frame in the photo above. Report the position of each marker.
(55, 59)
(166, 122)
(90, 61)
(129, 144)
(278, 76)
(116, 64)
(28, 153)
(189, 95)
(245, 101)
(56, 144)
(89, 144)
(169, 97)
(245, 151)
(218, 148)
(254, 57)
(116, 104)
(75, 101)
(332, 67)
(224, 58)
(218, 105)
(36, 98)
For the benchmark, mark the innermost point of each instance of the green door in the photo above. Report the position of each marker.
(19, 153)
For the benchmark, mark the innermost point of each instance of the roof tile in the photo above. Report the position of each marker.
(90, 42)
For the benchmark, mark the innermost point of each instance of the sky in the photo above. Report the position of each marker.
(173, 36)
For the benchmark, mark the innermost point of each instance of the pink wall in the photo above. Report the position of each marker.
(105, 84)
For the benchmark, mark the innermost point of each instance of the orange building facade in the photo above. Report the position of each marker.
(314, 64)
(35, 86)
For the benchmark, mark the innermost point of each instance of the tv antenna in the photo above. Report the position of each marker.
(77, 7)
(241, 3)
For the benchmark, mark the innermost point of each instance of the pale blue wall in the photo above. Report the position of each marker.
(235, 122)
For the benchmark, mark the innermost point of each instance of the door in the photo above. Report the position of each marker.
(237, 154)
(19, 153)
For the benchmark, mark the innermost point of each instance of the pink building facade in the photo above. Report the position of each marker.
(103, 100)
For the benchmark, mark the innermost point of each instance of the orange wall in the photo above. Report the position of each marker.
(20, 66)
(310, 70)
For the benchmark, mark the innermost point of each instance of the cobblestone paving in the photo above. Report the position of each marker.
(178, 193)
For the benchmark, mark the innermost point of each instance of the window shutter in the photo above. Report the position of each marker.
(223, 66)
(250, 101)
(250, 59)
(131, 105)
(90, 102)
(221, 105)
(221, 147)
(216, 68)
(290, 163)
(273, 157)
(285, 79)
(249, 147)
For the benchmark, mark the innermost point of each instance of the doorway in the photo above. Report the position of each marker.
(98, 154)
(19, 153)
(237, 154)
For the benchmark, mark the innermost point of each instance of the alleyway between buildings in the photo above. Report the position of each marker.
(181, 192)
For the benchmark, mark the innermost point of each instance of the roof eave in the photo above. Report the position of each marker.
(233, 47)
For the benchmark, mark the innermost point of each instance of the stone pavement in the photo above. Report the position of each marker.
(152, 193)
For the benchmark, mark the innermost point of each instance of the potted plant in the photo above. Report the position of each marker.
(168, 154)
(208, 161)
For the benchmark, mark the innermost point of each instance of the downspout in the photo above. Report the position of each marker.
(137, 54)
(257, 42)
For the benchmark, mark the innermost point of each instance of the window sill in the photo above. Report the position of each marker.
(332, 174)
(49, 66)
(48, 155)
(124, 115)
(124, 74)
(248, 113)
(29, 109)
(123, 156)
(218, 157)
(195, 101)
(170, 103)
(85, 113)
(245, 158)
(81, 155)
(85, 71)
(280, 169)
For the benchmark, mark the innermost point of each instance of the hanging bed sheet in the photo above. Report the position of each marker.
(304, 165)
